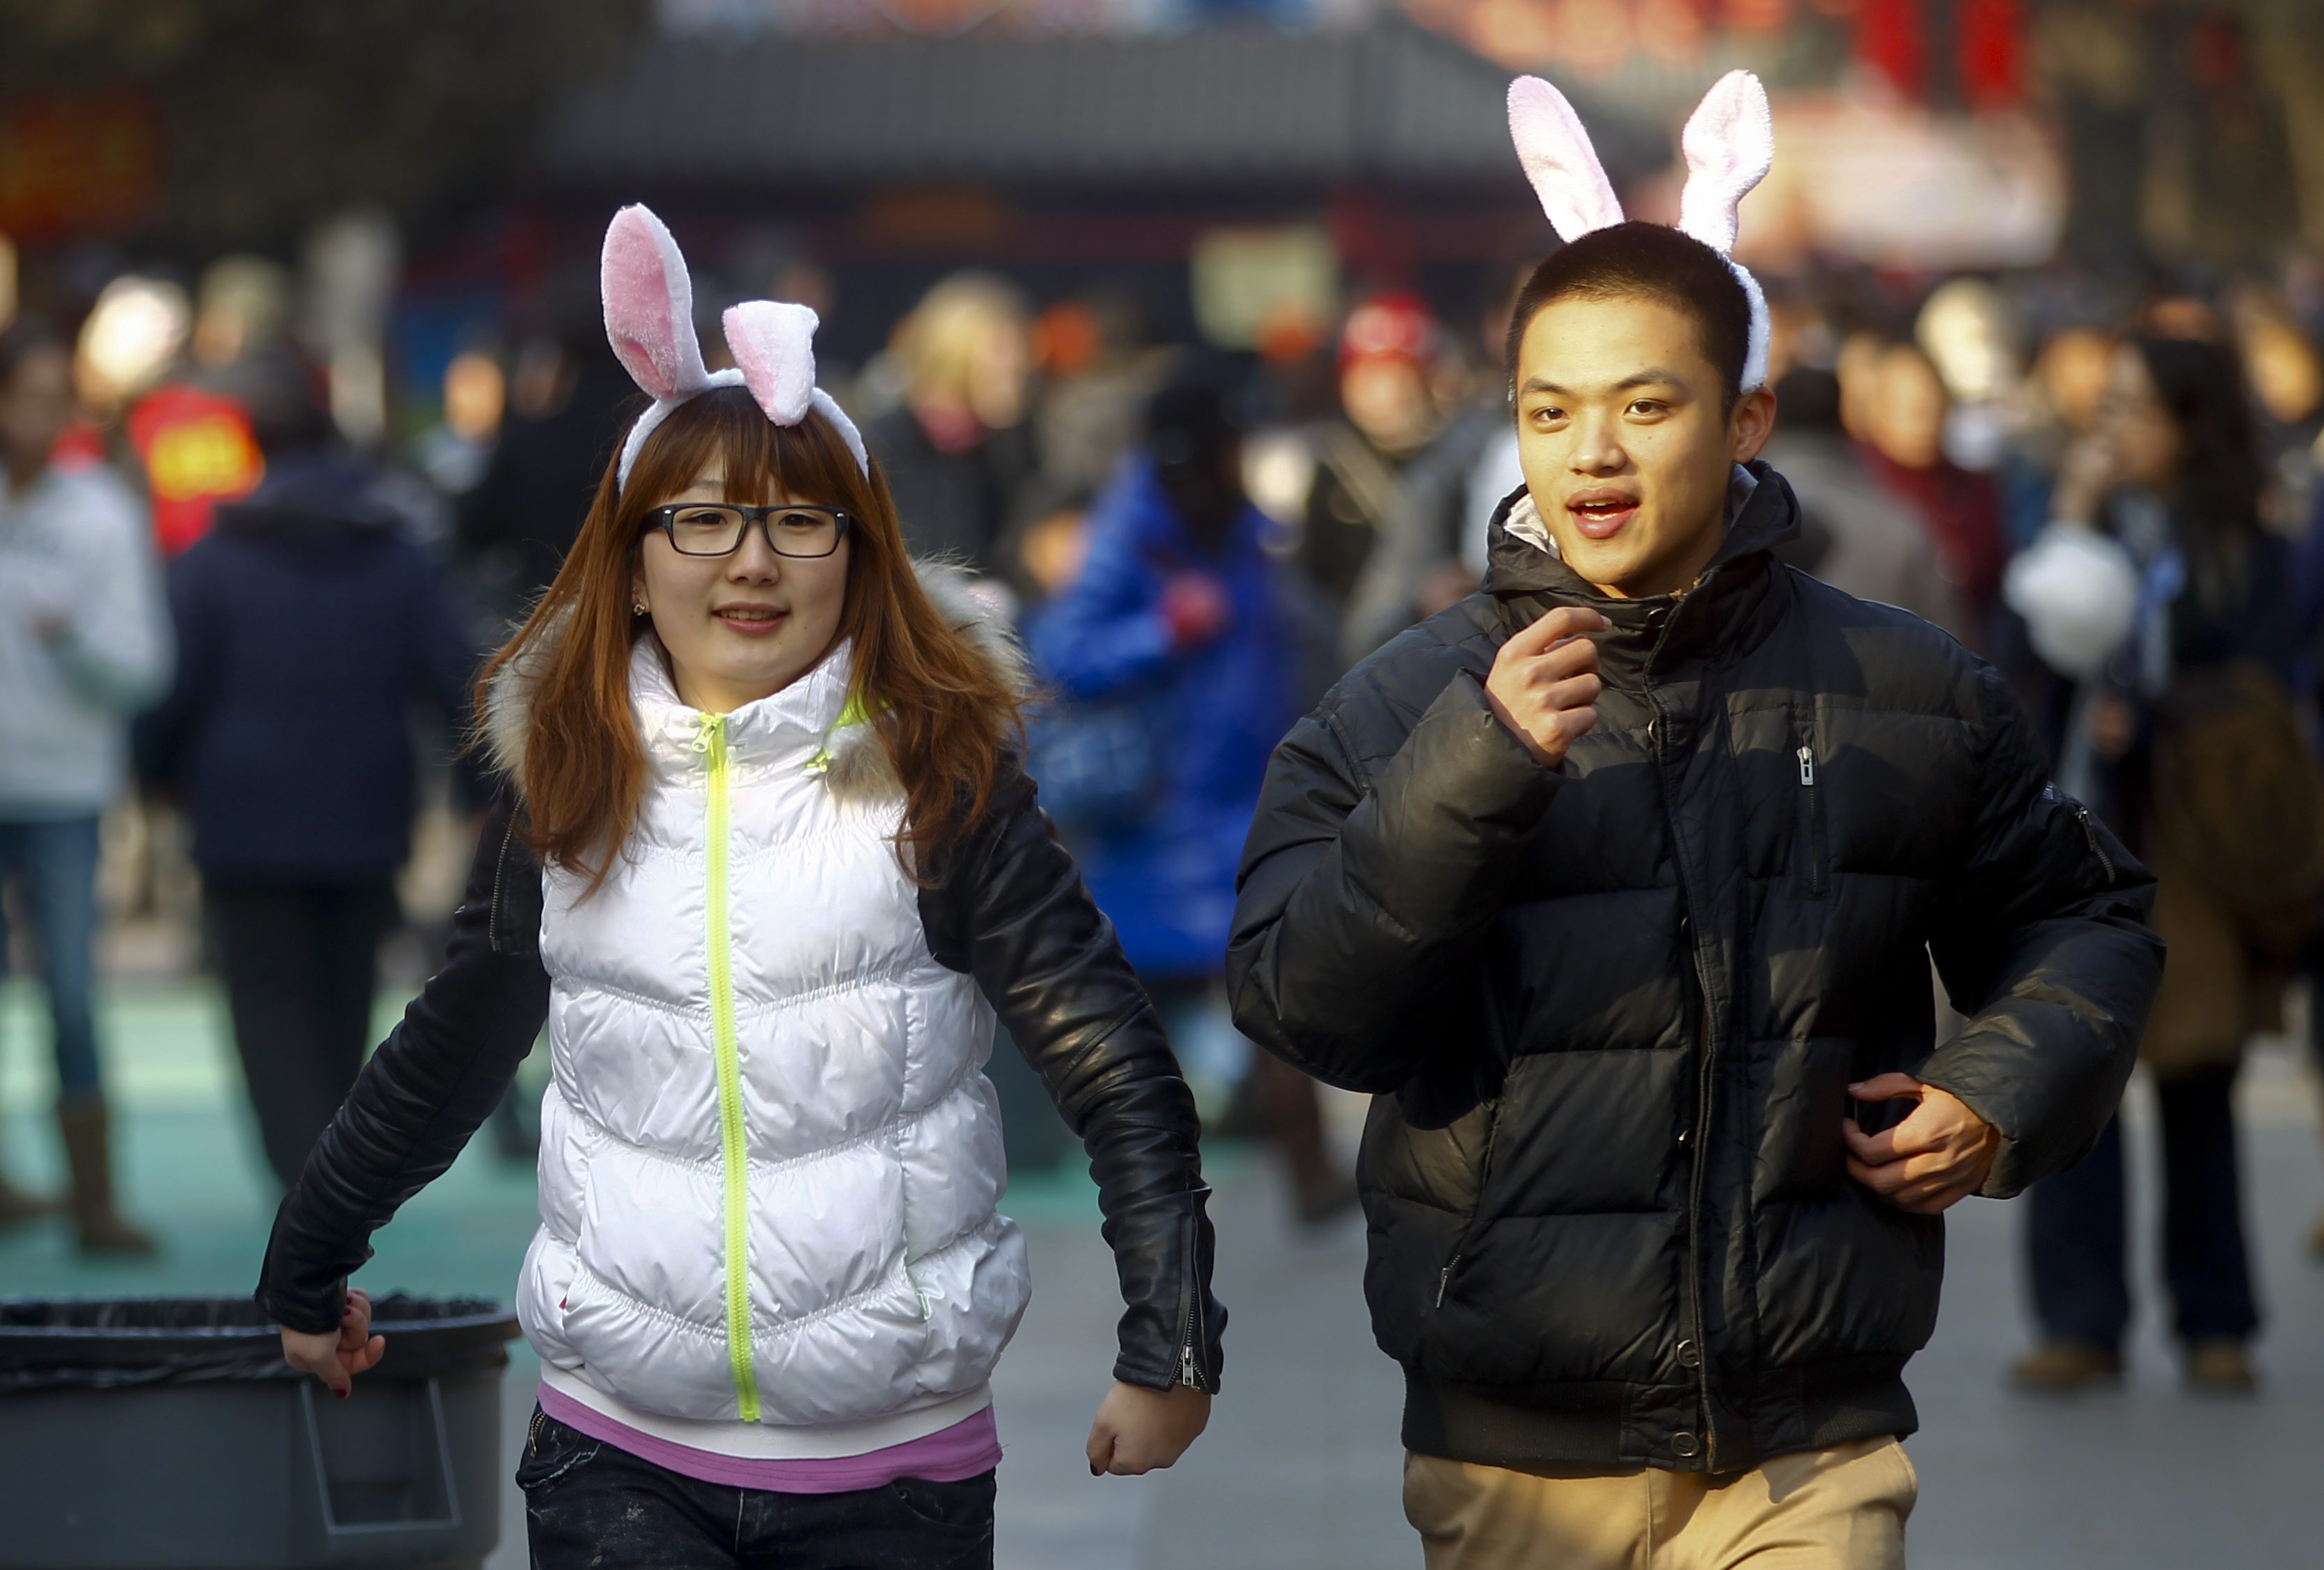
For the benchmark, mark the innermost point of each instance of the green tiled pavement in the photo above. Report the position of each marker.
(190, 1171)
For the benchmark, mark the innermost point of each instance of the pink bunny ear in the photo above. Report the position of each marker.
(1559, 159)
(774, 345)
(1729, 145)
(650, 306)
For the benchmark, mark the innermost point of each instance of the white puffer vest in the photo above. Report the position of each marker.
(770, 1158)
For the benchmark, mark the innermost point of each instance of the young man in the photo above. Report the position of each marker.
(1617, 883)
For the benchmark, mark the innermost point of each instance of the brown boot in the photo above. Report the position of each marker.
(2063, 1364)
(16, 1206)
(89, 1152)
(2219, 1365)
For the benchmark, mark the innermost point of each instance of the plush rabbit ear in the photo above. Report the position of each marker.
(1559, 159)
(650, 307)
(1729, 145)
(774, 344)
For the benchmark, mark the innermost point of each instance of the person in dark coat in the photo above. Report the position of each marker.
(958, 452)
(310, 630)
(1616, 884)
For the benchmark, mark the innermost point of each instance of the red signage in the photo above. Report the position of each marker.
(198, 451)
(74, 163)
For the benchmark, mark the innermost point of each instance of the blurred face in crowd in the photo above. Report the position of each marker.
(36, 407)
(741, 626)
(2284, 371)
(2073, 370)
(1909, 408)
(1386, 397)
(2138, 432)
(1626, 440)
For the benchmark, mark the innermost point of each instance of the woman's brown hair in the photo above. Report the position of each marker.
(942, 709)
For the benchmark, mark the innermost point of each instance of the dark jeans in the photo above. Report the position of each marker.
(301, 967)
(2077, 1241)
(590, 1503)
(53, 864)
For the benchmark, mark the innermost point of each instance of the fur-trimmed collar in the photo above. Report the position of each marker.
(854, 762)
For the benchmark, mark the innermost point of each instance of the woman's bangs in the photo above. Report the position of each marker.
(760, 460)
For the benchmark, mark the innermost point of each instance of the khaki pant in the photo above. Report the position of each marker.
(1841, 1509)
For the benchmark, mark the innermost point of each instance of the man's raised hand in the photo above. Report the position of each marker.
(1544, 685)
(1941, 1154)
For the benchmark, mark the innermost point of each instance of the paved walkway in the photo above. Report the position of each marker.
(1300, 1468)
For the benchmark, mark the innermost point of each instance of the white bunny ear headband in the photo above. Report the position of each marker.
(650, 322)
(1729, 145)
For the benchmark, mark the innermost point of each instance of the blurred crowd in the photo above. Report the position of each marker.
(212, 599)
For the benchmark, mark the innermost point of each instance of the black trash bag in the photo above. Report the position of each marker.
(111, 1344)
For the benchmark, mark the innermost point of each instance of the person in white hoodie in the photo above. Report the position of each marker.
(84, 644)
(770, 869)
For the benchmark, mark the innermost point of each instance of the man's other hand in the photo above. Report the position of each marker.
(1544, 684)
(1941, 1154)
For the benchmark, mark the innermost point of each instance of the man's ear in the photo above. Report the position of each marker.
(1753, 422)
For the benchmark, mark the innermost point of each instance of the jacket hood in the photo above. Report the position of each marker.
(320, 492)
(853, 762)
(1527, 580)
(1762, 513)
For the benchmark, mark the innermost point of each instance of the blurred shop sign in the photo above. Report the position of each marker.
(74, 164)
(1881, 180)
(1264, 289)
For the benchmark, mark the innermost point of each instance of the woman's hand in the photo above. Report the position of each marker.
(2089, 469)
(1139, 1430)
(336, 1359)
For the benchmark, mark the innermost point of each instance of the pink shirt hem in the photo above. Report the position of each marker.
(970, 1446)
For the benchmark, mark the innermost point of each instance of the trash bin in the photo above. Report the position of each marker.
(168, 1432)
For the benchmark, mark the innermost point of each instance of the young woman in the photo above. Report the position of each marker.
(2184, 739)
(769, 868)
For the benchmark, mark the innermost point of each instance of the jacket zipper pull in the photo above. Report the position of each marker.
(1444, 1279)
(1807, 765)
(1186, 1374)
(707, 731)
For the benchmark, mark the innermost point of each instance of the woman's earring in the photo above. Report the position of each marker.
(639, 609)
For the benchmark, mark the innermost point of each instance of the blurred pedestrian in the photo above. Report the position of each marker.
(1616, 885)
(84, 643)
(959, 450)
(1383, 521)
(769, 850)
(1180, 648)
(1872, 547)
(1908, 408)
(563, 400)
(310, 630)
(2183, 735)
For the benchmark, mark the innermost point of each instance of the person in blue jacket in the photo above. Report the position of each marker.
(1193, 649)
(310, 629)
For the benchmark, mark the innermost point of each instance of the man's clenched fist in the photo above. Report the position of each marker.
(1544, 685)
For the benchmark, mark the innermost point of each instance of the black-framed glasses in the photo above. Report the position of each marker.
(718, 528)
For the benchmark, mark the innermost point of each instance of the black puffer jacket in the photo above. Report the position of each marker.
(1006, 905)
(1611, 1010)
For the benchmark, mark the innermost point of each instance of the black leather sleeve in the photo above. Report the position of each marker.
(1354, 894)
(1007, 906)
(2043, 942)
(430, 1086)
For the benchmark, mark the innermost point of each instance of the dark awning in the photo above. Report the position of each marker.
(1235, 105)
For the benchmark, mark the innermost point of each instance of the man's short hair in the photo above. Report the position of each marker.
(1642, 260)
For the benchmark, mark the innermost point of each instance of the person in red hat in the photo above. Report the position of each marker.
(1390, 476)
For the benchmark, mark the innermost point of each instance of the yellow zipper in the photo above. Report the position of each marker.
(713, 741)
